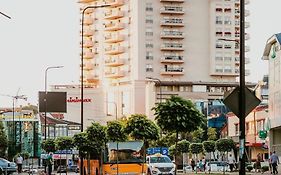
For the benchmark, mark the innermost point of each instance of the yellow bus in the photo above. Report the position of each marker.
(122, 158)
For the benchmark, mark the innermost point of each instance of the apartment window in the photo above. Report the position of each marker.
(227, 69)
(218, 45)
(149, 68)
(218, 58)
(148, 32)
(218, 19)
(149, 7)
(236, 129)
(247, 128)
(227, 46)
(227, 20)
(149, 55)
(219, 69)
(149, 19)
(148, 45)
(227, 58)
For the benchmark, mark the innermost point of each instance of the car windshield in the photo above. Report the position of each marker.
(3, 160)
(160, 160)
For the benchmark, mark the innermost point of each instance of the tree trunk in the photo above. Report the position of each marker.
(89, 164)
(117, 164)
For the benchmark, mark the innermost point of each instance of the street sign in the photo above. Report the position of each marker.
(162, 150)
(262, 134)
(231, 100)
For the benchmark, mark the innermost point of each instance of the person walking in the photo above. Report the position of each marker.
(274, 161)
(50, 163)
(258, 163)
(231, 162)
(269, 162)
(192, 163)
(19, 161)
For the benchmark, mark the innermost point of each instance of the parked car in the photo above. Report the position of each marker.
(73, 168)
(160, 164)
(7, 166)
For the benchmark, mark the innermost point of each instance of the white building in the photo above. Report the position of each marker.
(272, 54)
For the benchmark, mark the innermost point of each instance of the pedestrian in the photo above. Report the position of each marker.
(274, 161)
(231, 162)
(19, 161)
(269, 162)
(50, 163)
(204, 164)
(192, 163)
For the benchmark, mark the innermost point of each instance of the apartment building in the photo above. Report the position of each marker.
(175, 42)
(272, 55)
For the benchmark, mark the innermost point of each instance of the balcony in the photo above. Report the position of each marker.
(114, 38)
(114, 62)
(114, 74)
(172, 71)
(113, 26)
(88, 20)
(85, 1)
(114, 3)
(92, 78)
(87, 43)
(88, 66)
(172, 35)
(88, 54)
(113, 14)
(171, 0)
(88, 11)
(172, 46)
(172, 59)
(87, 32)
(171, 10)
(177, 22)
(114, 50)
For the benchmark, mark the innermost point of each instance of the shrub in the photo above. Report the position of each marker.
(265, 168)
(249, 168)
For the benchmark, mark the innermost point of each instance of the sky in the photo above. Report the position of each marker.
(43, 33)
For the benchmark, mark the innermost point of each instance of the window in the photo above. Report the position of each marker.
(149, 68)
(149, 55)
(218, 19)
(236, 129)
(148, 32)
(219, 69)
(227, 20)
(227, 69)
(149, 19)
(149, 7)
(148, 45)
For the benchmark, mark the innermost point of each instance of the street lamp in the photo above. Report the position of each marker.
(242, 99)
(160, 85)
(82, 69)
(45, 99)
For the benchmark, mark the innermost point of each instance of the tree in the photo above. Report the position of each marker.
(197, 135)
(166, 140)
(178, 115)
(49, 145)
(212, 134)
(140, 128)
(115, 131)
(196, 148)
(225, 145)
(209, 146)
(183, 147)
(82, 144)
(3, 141)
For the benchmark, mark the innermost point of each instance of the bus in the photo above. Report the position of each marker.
(122, 158)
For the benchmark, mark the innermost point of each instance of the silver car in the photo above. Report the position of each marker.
(7, 167)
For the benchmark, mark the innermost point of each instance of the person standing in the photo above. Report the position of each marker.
(274, 161)
(258, 163)
(192, 164)
(269, 162)
(231, 162)
(50, 163)
(19, 161)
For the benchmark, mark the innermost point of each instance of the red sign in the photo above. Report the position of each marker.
(78, 100)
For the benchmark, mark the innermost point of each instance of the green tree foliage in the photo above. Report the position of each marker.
(96, 134)
(178, 115)
(197, 135)
(225, 145)
(183, 146)
(32, 108)
(209, 146)
(212, 134)
(166, 140)
(49, 145)
(196, 148)
(141, 128)
(115, 131)
(81, 142)
(3, 140)
(64, 143)
(172, 150)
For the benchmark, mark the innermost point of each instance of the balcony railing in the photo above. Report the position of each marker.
(172, 46)
(92, 78)
(172, 59)
(115, 3)
(112, 26)
(88, 54)
(172, 22)
(88, 20)
(172, 34)
(114, 38)
(114, 14)
(172, 10)
(172, 71)
(114, 62)
(114, 74)
(87, 32)
(114, 50)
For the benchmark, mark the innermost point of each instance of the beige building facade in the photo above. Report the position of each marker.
(176, 42)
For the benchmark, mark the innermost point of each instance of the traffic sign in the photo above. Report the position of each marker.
(231, 100)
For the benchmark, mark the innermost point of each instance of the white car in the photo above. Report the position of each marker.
(160, 164)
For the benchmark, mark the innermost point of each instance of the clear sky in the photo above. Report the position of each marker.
(45, 33)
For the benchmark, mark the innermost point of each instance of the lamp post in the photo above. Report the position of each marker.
(45, 98)
(82, 70)
(242, 99)
(160, 85)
